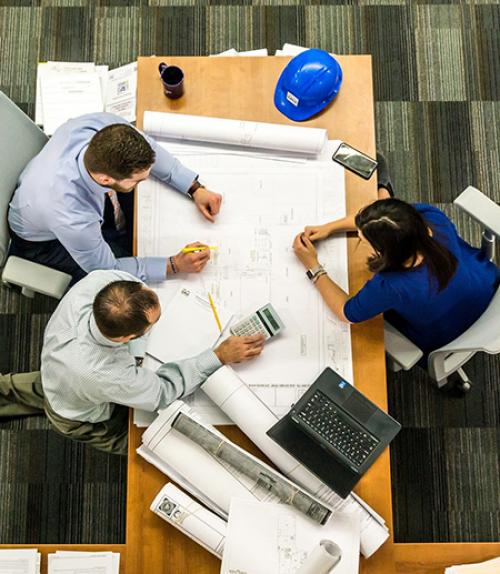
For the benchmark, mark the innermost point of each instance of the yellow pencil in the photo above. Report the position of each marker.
(194, 249)
(215, 312)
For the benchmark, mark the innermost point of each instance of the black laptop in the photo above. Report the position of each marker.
(335, 432)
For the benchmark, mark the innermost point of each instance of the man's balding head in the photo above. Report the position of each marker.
(125, 309)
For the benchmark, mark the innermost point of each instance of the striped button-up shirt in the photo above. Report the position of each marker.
(84, 373)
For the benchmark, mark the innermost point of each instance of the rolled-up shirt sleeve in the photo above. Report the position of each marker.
(149, 390)
(86, 245)
(169, 169)
(375, 297)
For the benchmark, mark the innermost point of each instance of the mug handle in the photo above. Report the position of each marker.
(162, 66)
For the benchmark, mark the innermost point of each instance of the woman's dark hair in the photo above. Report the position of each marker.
(121, 308)
(398, 233)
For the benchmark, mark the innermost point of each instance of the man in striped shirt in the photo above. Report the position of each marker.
(88, 377)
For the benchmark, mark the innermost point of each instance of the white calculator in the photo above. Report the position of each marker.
(264, 321)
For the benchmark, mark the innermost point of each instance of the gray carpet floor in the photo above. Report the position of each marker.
(436, 70)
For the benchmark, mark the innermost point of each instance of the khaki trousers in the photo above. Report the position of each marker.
(22, 395)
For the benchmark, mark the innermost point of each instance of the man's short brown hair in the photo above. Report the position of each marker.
(118, 151)
(121, 308)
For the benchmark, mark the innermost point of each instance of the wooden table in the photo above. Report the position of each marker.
(242, 88)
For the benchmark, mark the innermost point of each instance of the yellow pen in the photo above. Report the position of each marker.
(194, 249)
(214, 310)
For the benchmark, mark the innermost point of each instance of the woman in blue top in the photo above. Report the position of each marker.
(429, 283)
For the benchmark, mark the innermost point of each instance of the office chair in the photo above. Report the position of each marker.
(21, 140)
(483, 335)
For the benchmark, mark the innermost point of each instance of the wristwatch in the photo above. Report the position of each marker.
(194, 187)
(312, 273)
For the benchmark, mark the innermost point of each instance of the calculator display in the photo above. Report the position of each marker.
(271, 319)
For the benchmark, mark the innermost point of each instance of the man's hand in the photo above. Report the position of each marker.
(239, 349)
(305, 251)
(192, 262)
(317, 232)
(207, 202)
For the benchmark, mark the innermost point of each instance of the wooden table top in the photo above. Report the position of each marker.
(242, 88)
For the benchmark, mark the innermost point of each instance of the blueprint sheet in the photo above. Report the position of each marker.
(267, 200)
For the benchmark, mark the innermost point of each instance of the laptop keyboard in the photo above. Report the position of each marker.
(323, 416)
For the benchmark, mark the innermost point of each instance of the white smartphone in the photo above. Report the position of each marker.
(354, 160)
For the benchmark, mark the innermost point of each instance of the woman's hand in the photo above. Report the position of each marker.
(317, 232)
(305, 251)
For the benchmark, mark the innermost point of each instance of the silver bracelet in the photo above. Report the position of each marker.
(318, 275)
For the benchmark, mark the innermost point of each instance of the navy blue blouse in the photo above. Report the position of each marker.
(410, 299)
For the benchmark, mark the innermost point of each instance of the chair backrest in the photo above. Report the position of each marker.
(20, 141)
(483, 335)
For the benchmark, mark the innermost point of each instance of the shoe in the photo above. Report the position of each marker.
(383, 177)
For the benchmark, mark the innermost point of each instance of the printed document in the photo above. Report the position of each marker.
(267, 200)
(264, 538)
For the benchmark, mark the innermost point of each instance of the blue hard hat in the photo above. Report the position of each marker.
(308, 83)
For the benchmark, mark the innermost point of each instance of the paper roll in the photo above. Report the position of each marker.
(322, 559)
(200, 524)
(308, 141)
(255, 418)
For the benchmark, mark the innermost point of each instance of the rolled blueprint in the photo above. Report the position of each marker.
(322, 559)
(309, 141)
(254, 418)
(192, 519)
(263, 475)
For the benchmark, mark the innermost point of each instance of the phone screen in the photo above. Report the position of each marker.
(355, 160)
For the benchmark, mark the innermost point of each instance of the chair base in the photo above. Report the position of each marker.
(457, 382)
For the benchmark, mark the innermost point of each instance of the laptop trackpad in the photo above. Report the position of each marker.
(316, 459)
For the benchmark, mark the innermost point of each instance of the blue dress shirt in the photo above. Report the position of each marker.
(410, 299)
(57, 199)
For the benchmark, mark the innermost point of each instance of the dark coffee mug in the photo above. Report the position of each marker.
(172, 78)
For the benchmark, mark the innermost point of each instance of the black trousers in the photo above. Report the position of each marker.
(53, 253)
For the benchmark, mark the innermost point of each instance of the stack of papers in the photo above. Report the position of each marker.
(20, 561)
(70, 89)
(488, 567)
(264, 537)
(67, 562)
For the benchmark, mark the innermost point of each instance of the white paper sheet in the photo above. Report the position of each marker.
(121, 91)
(115, 556)
(488, 567)
(254, 418)
(233, 52)
(65, 96)
(186, 328)
(62, 68)
(235, 132)
(265, 203)
(71, 564)
(264, 538)
(19, 561)
(192, 519)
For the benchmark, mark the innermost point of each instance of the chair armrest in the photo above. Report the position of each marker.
(481, 208)
(399, 348)
(35, 277)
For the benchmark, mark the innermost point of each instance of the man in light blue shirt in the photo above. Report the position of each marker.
(88, 375)
(57, 212)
